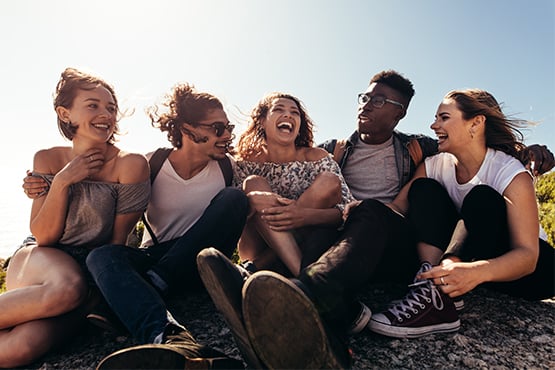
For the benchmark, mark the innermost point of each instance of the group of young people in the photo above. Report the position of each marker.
(312, 226)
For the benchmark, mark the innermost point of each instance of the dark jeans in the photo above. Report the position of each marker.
(376, 244)
(484, 213)
(120, 272)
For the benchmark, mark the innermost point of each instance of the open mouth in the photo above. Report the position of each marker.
(102, 126)
(285, 127)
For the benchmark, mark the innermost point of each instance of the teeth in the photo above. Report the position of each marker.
(100, 125)
(285, 125)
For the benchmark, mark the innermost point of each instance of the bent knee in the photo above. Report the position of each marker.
(254, 183)
(64, 294)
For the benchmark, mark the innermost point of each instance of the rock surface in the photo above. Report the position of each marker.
(497, 332)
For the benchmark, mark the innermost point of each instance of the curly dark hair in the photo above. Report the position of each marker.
(396, 81)
(71, 81)
(502, 133)
(185, 106)
(254, 138)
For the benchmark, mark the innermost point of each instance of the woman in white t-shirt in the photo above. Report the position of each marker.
(474, 210)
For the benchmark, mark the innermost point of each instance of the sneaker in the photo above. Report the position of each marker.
(180, 351)
(424, 310)
(285, 328)
(459, 303)
(361, 320)
(224, 281)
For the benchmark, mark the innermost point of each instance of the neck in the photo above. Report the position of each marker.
(374, 139)
(188, 163)
(469, 163)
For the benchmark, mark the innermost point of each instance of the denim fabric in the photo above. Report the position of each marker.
(121, 272)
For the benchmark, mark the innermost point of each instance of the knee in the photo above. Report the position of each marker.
(328, 187)
(482, 197)
(65, 294)
(102, 256)
(254, 183)
(234, 199)
(424, 187)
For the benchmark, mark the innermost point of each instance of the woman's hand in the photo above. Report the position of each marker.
(456, 278)
(285, 217)
(81, 167)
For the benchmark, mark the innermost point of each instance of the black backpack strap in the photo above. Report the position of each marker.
(227, 171)
(155, 162)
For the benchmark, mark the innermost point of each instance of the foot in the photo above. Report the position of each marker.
(424, 310)
(361, 320)
(224, 281)
(285, 328)
(179, 351)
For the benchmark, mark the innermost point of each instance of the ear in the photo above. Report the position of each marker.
(478, 122)
(63, 113)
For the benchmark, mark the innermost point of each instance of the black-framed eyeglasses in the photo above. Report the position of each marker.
(219, 127)
(377, 101)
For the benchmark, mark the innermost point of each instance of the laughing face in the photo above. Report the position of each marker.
(283, 121)
(216, 146)
(93, 113)
(451, 129)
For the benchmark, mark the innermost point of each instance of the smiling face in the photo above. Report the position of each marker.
(93, 113)
(283, 121)
(376, 125)
(215, 146)
(451, 129)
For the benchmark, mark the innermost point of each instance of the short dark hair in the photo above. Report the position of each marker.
(396, 81)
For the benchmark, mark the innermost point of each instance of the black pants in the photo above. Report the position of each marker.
(485, 216)
(376, 244)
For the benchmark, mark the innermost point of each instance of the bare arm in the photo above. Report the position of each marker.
(133, 169)
(520, 260)
(401, 202)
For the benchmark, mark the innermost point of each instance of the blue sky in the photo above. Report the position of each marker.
(324, 52)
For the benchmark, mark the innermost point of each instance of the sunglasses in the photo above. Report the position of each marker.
(219, 127)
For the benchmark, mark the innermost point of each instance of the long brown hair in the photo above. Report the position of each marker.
(502, 133)
(254, 138)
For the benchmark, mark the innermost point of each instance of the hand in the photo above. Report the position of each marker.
(349, 207)
(260, 200)
(285, 217)
(81, 167)
(34, 186)
(454, 278)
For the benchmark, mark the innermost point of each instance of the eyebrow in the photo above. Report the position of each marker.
(97, 101)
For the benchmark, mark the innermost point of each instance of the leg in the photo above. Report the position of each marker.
(35, 291)
(220, 227)
(371, 232)
(119, 274)
(282, 243)
(433, 216)
(325, 192)
(27, 342)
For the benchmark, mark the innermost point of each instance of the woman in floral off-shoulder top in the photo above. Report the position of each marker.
(291, 185)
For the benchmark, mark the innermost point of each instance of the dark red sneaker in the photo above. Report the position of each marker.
(424, 310)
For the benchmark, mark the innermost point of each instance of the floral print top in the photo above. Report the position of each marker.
(291, 179)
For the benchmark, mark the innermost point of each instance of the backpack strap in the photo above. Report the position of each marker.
(155, 162)
(227, 170)
(415, 151)
(339, 150)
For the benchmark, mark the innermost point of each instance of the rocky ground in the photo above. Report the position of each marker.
(497, 332)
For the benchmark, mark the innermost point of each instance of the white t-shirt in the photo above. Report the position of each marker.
(177, 204)
(498, 170)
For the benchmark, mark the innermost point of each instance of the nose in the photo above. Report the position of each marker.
(433, 126)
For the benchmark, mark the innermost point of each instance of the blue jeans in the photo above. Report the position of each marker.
(120, 272)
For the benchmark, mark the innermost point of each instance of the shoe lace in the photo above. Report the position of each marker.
(425, 292)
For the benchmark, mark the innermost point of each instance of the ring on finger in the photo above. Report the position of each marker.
(442, 281)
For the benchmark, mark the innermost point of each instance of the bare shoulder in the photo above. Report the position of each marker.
(51, 160)
(315, 154)
(132, 167)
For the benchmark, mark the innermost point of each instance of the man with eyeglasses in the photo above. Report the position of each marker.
(375, 243)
